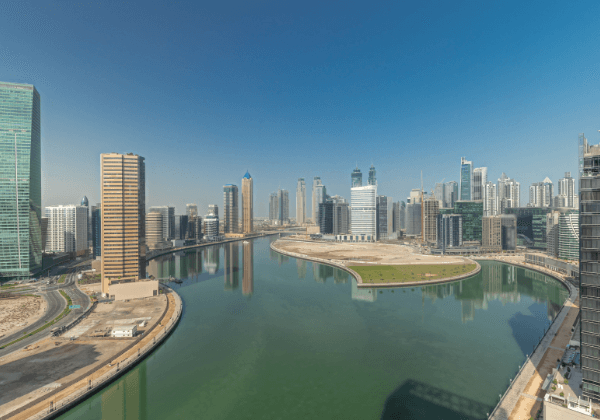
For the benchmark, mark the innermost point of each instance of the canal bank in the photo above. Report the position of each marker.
(67, 395)
(524, 395)
(361, 284)
(255, 318)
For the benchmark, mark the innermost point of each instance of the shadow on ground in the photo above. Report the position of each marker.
(416, 400)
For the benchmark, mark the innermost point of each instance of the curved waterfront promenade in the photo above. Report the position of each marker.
(54, 404)
(524, 394)
(359, 281)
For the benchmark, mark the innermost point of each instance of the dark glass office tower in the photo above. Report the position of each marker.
(20, 181)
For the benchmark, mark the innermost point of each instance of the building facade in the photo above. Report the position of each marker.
(341, 218)
(466, 180)
(211, 223)
(273, 208)
(67, 229)
(181, 227)
(509, 193)
(372, 176)
(20, 195)
(531, 226)
(541, 193)
(154, 231)
(168, 214)
(356, 178)
(96, 230)
(499, 233)
(472, 215)
(326, 217)
(315, 204)
(490, 195)
(247, 204)
(384, 218)
(431, 209)
(566, 188)
(231, 209)
(191, 210)
(589, 270)
(413, 218)
(123, 194)
(301, 202)
(568, 235)
(283, 198)
(363, 210)
(449, 231)
(479, 181)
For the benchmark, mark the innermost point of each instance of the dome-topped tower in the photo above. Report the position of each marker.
(84, 201)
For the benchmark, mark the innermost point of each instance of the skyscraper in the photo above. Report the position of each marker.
(449, 231)
(273, 208)
(466, 179)
(247, 204)
(97, 230)
(123, 193)
(283, 198)
(566, 187)
(317, 197)
(450, 194)
(540, 193)
(168, 214)
(191, 210)
(431, 209)
(356, 178)
(363, 208)
(372, 177)
(479, 181)
(211, 222)
(589, 275)
(301, 202)
(154, 231)
(20, 181)
(509, 193)
(67, 228)
(230, 208)
(384, 217)
(490, 196)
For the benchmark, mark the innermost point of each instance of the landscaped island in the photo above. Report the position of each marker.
(381, 274)
(381, 264)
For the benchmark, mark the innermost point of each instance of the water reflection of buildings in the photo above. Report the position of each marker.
(232, 265)
(301, 264)
(366, 295)
(503, 283)
(126, 399)
(248, 280)
(181, 265)
(211, 259)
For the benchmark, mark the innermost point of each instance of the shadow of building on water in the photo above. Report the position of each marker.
(416, 400)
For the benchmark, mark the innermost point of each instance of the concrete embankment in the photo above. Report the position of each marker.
(359, 280)
(524, 395)
(56, 403)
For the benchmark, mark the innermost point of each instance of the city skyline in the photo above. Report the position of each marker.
(446, 93)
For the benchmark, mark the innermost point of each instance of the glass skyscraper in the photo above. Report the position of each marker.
(466, 180)
(20, 181)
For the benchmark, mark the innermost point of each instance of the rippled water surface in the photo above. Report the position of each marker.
(265, 336)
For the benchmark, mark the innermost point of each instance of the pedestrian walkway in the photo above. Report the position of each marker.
(524, 397)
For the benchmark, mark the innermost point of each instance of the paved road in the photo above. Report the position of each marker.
(56, 304)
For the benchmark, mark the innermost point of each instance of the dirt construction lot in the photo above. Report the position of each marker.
(17, 313)
(357, 253)
(30, 373)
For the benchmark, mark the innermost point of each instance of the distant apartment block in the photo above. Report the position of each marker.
(67, 229)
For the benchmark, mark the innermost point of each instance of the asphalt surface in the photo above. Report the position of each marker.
(56, 304)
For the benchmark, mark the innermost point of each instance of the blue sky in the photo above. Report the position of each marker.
(207, 90)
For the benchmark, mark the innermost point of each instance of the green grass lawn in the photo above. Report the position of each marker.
(408, 273)
(62, 278)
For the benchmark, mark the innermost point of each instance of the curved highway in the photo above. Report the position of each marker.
(56, 304)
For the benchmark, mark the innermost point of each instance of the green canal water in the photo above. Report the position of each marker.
(264, 336)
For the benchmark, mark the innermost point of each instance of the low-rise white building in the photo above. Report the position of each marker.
(124, 331)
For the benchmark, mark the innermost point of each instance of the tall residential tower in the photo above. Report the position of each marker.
(123, 213)
(230, 208)
(247, 204)
(301, 202)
